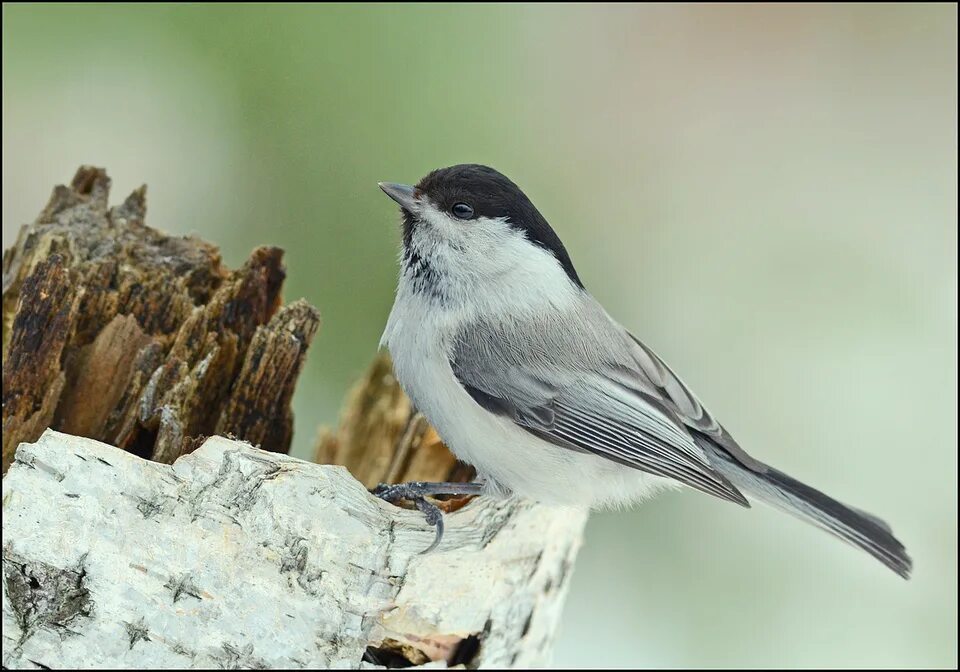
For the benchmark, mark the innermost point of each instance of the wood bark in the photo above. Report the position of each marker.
(382, 439)
(240, 558)
(211, 552)
(115, 331)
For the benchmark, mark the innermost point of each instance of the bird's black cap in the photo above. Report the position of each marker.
(492, 194)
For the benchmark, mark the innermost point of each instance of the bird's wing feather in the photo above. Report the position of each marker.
(592, 399)
(684, 404)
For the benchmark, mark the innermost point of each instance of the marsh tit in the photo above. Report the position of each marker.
(526, 377)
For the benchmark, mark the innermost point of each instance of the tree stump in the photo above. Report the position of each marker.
(117, 332)
(213, 553)
(236, 557)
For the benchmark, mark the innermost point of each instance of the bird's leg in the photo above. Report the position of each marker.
(420, 489)
(416, 491)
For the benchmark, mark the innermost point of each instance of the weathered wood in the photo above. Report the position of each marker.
(382, 439)
(235, 557)
(32, 376)
(118, 332)
(232, 557)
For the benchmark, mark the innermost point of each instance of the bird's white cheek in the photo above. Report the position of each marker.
(486, 267)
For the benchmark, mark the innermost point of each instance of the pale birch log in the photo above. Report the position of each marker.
(236, 557)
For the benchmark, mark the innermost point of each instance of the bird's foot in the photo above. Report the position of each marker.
(417, 491)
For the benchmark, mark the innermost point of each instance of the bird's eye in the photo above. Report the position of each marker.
(462, 211)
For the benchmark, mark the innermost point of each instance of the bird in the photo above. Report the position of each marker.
(526, 377)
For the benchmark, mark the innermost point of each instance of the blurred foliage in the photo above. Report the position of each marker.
(766, 195)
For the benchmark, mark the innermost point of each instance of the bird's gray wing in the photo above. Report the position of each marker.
(588, 396)
(684, 405)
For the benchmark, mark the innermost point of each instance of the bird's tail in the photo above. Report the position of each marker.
(776, 489)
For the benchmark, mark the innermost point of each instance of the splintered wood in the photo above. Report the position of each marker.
(381, 439)
(242, 558)
(117, 332)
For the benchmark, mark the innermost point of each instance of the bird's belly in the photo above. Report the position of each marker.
(506, 456)
(514, 460)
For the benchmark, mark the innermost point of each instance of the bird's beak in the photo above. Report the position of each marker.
(401, 193)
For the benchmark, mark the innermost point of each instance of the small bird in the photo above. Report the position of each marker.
(525, 376)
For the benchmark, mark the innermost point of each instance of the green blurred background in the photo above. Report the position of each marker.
(766, 194)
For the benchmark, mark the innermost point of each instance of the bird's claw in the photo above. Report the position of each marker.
(393, 493)
(434, 517)
(410, 491)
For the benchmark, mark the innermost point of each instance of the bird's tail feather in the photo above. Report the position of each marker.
(783, 492)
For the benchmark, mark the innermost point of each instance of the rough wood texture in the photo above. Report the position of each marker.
(115, 331)
(235, 557)
(381, 439)
(231, 557)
